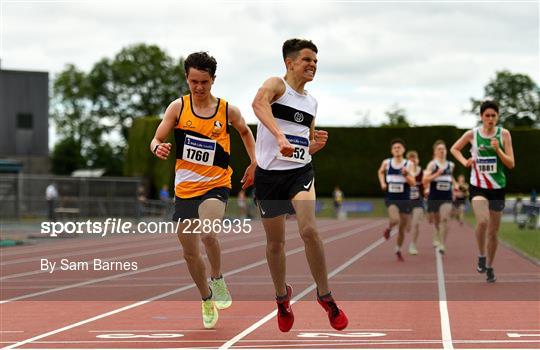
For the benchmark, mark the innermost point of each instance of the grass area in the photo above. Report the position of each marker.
(524, 240)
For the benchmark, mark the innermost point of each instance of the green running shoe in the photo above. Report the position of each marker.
(222, 297)
(209, 313)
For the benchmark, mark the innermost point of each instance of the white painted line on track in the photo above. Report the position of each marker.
(152, 268)
(126, 256)
(356, 330)
(11, 331)
(272, 314)
(154, 330)
(446, 332)
(510, 330)
(192, 285)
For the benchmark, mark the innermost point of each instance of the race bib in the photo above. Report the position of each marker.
(395, 188)
(443, 186)
(487, 165)
(198, 150)
(301, 150)
(415, 193)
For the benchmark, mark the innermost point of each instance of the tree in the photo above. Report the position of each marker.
(95, 110)
(140, 81)
(66, 156)
(518, 97)
(397, 117)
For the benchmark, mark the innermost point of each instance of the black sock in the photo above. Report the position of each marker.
(323, 296)
(208, 297)
(217, 278)
(281, 298)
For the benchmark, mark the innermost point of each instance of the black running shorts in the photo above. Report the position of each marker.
(496, 197)
(274, 189)
(188, 208)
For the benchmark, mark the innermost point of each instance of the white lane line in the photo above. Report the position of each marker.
(45, 248)
(154, 330)
(152, 268)
(510, 330)
(192, 285)
(446, 332)
(357, 330)
(302, 342)
(127, 256)
(80, 252)
(272, 314)
(11, 331)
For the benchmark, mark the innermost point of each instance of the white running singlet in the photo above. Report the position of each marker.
(293, 113)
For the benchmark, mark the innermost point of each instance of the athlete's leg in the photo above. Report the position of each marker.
(393, 216)
(492, 235)
(444, 217)
(212, 209)
(304, 205)
(435, 219)
(275, 251)
(417, 216)
(480, 207)
(461, 213)
(194, 261)
(403, 223)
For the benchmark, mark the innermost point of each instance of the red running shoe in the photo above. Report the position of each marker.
(399, 256)
(336, 316)
(285, 316)
(386, 233)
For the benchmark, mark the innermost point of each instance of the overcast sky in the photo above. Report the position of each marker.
(428, 57)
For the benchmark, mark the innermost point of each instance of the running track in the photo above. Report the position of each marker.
(429, 301)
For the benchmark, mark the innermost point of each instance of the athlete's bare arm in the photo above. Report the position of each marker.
(381, 172)
(270, 91)
(158, 146)
(456, 148)
(409, 174)
(507, 156)
(429, 175)
(318, 138)
(238, 122)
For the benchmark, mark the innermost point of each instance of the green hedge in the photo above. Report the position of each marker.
(141, 162)
(350, 159)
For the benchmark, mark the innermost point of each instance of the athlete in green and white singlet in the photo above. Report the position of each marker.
(487, 170)
(491, 152)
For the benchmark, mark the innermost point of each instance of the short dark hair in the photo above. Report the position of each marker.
(487, 105)
(398, 140)
(291, 47)
(201, 61)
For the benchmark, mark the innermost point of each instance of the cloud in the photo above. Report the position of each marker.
(430, 58)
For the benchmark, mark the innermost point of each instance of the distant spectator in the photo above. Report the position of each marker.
(518, 205)
(533, 196)
(164, 194)
(338, 199)
(51, 195)
(141, 200)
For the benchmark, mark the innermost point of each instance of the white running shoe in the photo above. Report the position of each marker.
(412, 249)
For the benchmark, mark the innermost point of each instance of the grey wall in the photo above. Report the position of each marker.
(24, 92)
